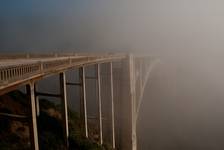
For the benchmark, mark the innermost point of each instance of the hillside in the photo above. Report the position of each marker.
(14, 135)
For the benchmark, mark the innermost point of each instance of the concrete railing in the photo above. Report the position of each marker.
(45, 64)
(12, 73)
(54, 55)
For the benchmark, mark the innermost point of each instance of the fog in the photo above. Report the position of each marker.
(184, 99)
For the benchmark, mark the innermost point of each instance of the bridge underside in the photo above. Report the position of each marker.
(122, 82)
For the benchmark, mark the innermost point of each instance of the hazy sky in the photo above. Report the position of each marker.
(158, 26)
(185, 97)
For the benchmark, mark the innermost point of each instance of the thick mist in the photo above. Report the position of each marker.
(184, 99)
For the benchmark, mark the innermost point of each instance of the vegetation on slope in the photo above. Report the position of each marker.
(14, 135)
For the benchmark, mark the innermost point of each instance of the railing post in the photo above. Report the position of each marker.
(32, 120)
(99, 103)
(112, 103)
(63, 91)
(84, 101)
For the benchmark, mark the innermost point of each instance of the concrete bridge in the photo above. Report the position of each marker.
(125, 77)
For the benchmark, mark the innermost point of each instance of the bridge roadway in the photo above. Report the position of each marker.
(14, 71)
(19, 70)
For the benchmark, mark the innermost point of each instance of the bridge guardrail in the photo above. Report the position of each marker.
(14, 72)
(11, 73)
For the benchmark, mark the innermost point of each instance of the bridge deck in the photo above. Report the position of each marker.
(17, 71)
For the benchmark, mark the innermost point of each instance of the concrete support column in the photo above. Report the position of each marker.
(37, 100)
(84, 100)
(81, 111)
(133, 101)
(99, 103)
(128, 111)
(63, 93)
(32, 120)
(112, 103)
